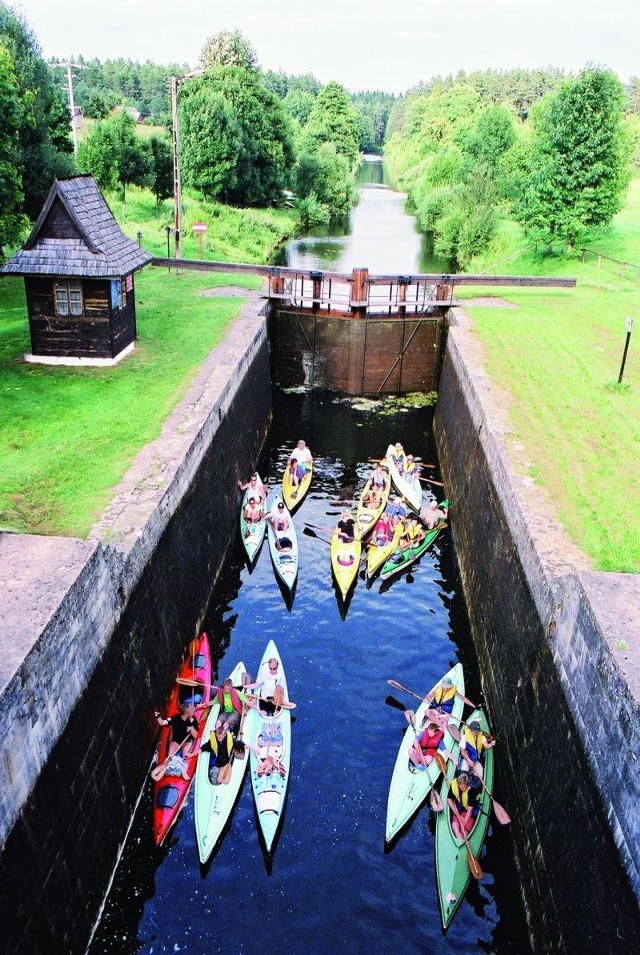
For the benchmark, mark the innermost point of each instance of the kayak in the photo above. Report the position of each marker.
(292, 495)
(213, 804)
(283, 546)
(452, 859)
(270, 741)
(170, 792)
(367, 516)
(408, 788)
(345, 560)
(401, 559)
(378, 554)
(252, 534)
(410, 489)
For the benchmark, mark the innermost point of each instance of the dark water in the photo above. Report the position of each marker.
(330, 883)
(379, 234)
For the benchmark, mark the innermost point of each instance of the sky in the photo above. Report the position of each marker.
(363, 44)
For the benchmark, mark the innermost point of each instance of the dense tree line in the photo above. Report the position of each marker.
(560, 167)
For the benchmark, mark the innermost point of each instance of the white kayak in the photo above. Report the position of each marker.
(213, 804)
(270, 757)
(283, 546)
(252, 533)
(410, 488)
(408, 788)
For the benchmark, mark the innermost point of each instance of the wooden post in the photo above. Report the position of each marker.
(403, 281)
(276, 284)
(443, 292)
(359, 292)
(316, 295)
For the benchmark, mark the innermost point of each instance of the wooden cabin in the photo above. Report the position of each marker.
(78, 270)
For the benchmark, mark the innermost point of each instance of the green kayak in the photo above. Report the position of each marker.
(402, 559)
(452, 858)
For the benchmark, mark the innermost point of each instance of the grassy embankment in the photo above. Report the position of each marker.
(559, 354)
(67, 436)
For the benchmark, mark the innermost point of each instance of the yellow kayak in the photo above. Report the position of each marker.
(367, 516)
(376, 555)
(293, 496)
(345, 560)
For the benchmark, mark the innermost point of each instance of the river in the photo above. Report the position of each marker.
(330, 883)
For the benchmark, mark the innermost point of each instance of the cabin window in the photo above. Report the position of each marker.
(68, 297)
(118, 294)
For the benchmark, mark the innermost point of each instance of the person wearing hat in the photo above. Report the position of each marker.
(462, 802)
(441, 699)
(434, 514)
(473, 743)
(281, 522)
(396, 510)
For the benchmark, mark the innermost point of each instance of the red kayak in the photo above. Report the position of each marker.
(170, 792)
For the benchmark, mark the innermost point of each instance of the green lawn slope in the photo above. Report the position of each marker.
(558, 354)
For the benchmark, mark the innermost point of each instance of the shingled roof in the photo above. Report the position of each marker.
(77, 236)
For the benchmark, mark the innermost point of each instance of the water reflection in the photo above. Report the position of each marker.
(379, 234)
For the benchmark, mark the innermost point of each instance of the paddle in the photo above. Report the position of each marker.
(160, 771)
(285, 705)
(310, 533)
(474, 865)
(399, 686)
(430, 481)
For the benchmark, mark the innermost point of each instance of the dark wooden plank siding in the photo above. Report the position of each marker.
(58, 225)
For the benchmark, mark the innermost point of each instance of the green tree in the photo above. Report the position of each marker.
(265, 154)
(228, 48)
(332, 120)
(325, 174)
(211, 143)
(10, 116)
(161, 167)
(580, 162)
(45, 148)
(115, 155)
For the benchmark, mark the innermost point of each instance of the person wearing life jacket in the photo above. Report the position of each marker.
(219, 746)
(473, 744)
(230, 701)
(398, 458)
(412, 535)
(425, 746)
(462, 802)
(411, 469)
(441, 700)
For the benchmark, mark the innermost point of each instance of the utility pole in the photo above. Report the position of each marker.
(72, 109)
(175, 137)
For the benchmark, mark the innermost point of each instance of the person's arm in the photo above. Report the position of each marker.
(162, 720)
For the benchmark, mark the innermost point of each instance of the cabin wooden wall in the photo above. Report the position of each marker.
(98, 333)
(356, 356)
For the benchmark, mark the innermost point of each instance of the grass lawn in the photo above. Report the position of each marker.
(67, 435)
(559, 354)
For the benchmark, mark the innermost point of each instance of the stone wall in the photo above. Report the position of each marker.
(105, 623)
(566, 715)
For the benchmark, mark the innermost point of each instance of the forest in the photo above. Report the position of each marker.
(552, 151)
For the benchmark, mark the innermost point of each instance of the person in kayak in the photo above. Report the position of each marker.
(346, 527)
(383, 531)
(220, 747)
(184, 732)
(473, 744)
(375, 487)
(256, 488)
(270, 686)
(396, 510)
(300, 462)
(441, 699)
(411, 469)
(412, 535)
(398, 458)
(425, 746)
(253, 512)
(230, 701)
(281, 522)
(462, 802)
(434, 514)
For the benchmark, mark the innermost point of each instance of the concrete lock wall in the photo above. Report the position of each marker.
(109, 621)
(560, 691)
